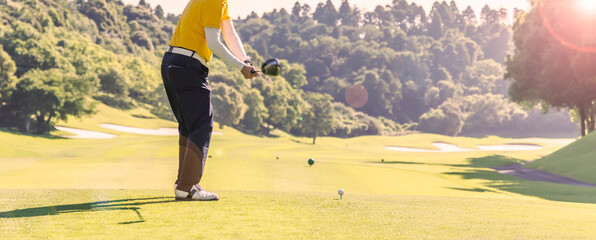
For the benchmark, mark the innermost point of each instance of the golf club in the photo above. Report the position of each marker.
(270, 67)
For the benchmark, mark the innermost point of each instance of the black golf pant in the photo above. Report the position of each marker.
(185, 81)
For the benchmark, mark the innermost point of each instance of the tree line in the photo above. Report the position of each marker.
(440, 72)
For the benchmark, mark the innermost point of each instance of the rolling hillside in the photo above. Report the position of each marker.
(577, 160)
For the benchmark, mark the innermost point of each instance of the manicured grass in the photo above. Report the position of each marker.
(122, 188)
(125, 214)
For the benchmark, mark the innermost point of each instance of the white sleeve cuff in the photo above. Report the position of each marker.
(217, 47)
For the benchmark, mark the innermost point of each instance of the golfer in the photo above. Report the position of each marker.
(184, 72)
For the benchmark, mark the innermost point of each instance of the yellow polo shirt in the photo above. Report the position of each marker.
(198, 14)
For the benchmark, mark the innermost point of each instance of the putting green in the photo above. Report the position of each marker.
(53, 187)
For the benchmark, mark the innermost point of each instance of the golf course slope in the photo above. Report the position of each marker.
(576, 160)
(54, 187)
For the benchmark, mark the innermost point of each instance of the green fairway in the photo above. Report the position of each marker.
(263, 215)
(53, 187)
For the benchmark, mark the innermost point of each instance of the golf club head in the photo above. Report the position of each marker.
(271, 67)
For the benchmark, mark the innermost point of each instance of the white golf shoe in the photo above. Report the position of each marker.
(195, 194)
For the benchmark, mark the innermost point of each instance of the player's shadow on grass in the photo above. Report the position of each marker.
(484, 162)
(472, 189)
(112, 205)
(479, 168)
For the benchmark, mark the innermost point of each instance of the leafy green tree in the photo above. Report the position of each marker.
(7, 70)
(103, 14)
(441, 74)
(448, 89)
(347, 15)
(488, 76)
(548, 66)
(228, 104)
(349, 123)
(159, 11)
(446, 14)
(296, 10)
(306, 10)
(317, 119)
(489, 112)
(29, 49)
(499, 46)
(57, 18)
(447, 119)
(160, 104)
(294, 73)
(436, 26)
(432, 97)
(470, 16)
(285, 104)
(114, 86)
(45, 96)
(172, 18)
(115, 82)
(326, 13)
(372, 33)
(384, 92)
(140, 38)
(143, 78)
(257, 113)
(491, 16)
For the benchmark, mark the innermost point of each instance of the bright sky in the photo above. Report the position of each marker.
(244, 7)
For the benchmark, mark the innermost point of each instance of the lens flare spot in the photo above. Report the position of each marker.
(588, 7)
(356, 96)
(564, 40)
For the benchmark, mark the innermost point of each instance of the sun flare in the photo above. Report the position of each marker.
(587, 7)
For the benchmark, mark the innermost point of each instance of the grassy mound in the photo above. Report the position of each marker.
(577, 160)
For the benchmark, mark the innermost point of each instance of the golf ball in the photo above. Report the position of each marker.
(340, 191)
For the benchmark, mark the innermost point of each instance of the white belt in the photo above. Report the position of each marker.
(188, 53)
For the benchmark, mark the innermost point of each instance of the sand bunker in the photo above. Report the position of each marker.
(85, 134)
(446, 147)
(509, 147)
(144, 131)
